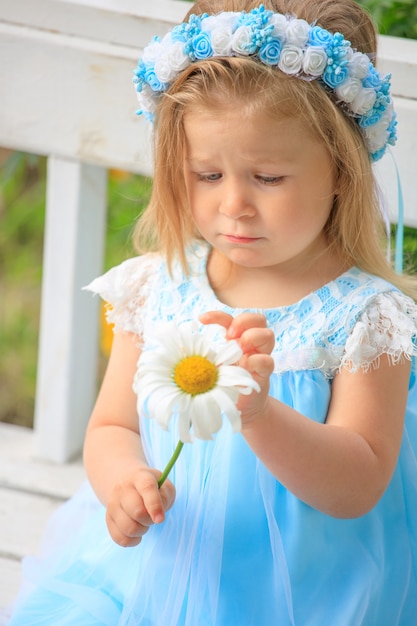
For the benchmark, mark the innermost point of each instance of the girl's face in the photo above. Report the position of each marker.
(260, 191)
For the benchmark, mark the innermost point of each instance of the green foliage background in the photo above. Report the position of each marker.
(22, 208)
(397, 18)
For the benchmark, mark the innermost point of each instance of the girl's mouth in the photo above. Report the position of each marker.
(239, 239)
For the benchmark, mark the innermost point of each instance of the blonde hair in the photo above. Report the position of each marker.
(355, 227)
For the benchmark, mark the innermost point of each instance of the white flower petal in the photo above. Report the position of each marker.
(150, 381)
(184, 433)
(162, 407)
(232, 393)
(185, 419)
(231, 411)
(229, 408)
(233, 376)
(170, 340)
(207, 418)
(229, 353)
(188, 338)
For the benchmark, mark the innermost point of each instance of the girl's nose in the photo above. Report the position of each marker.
(236, 202)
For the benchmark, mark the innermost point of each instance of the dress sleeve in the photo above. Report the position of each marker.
(126, 288)
(388, 325)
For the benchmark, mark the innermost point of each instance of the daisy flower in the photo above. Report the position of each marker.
(191, 374)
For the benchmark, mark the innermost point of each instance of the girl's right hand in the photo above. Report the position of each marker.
(135, 504)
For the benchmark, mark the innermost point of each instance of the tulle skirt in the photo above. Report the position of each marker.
(236, 548)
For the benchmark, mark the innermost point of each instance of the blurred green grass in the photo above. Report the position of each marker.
(22, 218)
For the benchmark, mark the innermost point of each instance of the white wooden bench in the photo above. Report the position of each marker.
(66, 92)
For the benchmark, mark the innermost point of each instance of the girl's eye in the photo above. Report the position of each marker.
(270, 180)
(209, 178)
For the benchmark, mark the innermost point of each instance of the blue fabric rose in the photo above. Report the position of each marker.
(370, 118)
(335, 75)
(153, 81)
(201, 46)
(139, 72)
(270, 52)
(372, 79)
(375, 156)
(319, 37)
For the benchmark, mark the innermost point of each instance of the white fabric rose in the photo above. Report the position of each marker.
(146, 99)
(222, 21)
(279, 23)
(242, 40)
(358, 65)
(349, 90)
(171, 60)
(376, 135)
(221, 41)
(221, 29)
(386, 118)
(364, 101)
(297, 32)
(314, 61)
(291, 59)
(151, 52)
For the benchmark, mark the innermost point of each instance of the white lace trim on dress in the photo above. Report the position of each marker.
(387, 326)
(126, 288)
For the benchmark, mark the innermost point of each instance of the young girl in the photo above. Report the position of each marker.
(265, 220)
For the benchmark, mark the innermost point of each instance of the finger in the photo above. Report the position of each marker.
(260, 366)
(216, 317)
(243, 322)
(235, 326)
(129, 512)
(168, 493)
(257, 340)
(151, 499)
(123, 530)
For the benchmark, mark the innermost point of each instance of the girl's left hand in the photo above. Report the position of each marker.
(257, 342)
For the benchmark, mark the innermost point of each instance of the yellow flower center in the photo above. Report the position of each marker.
(195, 374)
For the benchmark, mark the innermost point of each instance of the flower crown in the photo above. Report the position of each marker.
(292, 45)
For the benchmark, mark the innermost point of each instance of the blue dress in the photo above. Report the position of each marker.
(238, 548)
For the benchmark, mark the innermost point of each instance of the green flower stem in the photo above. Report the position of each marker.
(171, 464)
